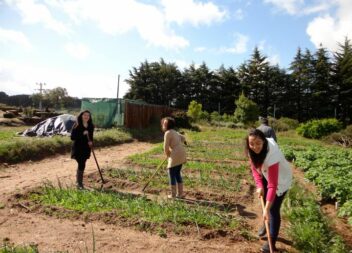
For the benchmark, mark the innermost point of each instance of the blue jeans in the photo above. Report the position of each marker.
(175, 174)
(275, 217)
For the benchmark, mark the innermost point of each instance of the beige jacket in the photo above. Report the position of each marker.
(174, 149)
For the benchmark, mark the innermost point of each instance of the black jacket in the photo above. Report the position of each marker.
(80, 149)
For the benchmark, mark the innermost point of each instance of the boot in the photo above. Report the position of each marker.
(180, 193)
(262, 231)
(266, 247)
(173, 192)
(79, 178)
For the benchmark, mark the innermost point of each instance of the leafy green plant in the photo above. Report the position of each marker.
(318, 128)
(194, 110)
(308, 228)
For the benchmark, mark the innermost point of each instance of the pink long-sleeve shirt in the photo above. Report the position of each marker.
(273, 176)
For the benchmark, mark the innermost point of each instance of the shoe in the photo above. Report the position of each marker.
(266, 249)
(171, 196)
(262, 231)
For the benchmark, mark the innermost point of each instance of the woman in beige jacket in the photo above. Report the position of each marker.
(176, 153)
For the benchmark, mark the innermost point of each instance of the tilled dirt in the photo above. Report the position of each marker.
(52, 233)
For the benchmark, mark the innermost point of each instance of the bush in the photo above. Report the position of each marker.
(194, 110)
(283, 124)
(182, 120)
(318, 128)
(342, 138)
(215, 116)
(204, 115)
(246, 111)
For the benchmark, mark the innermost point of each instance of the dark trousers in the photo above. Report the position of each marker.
(81, 164)
(175, 174)
(80, 171)
(275, 217)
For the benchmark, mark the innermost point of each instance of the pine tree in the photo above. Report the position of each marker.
(255, 81)
(321, 92)
(342, 81)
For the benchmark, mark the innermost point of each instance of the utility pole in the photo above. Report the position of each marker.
(41, 94)
(118, 85)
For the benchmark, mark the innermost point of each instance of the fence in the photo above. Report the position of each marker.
(142, 115)
(108, 112)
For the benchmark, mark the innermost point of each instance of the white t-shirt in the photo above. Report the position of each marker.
(273, 156)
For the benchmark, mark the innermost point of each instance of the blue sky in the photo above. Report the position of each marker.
(82, 45)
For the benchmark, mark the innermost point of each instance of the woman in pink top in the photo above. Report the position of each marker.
(273, 177)
(176, 154)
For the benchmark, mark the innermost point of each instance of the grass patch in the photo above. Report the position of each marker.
(20, 149)
(309, 229)
(10, 248)
(138, 208)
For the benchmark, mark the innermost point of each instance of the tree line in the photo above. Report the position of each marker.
(57, 98)
(316, 85)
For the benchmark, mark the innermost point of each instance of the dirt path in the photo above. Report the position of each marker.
(52, 234)
(20, 177)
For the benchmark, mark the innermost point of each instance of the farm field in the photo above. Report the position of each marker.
(220, 213)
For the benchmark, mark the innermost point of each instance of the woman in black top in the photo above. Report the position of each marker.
(82, 136)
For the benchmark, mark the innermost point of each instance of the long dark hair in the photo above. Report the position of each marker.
(170, 123)
(257, 159)
(79, 121)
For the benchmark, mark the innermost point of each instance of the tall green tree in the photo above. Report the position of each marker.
(253, 76)
(321, 93)
(301, 75)
(56, 97)
(154, 83)
(342, 81)
(201, 84)
(228, 88)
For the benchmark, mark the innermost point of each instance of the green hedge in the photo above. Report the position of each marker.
(316, 129)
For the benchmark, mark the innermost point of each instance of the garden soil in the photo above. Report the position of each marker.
(59, 234)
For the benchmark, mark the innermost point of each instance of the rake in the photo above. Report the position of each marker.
(267, 227)
(156, 171)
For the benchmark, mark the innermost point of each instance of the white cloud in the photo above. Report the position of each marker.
(200, 49)
(12, 36)
(290, 6)
(21, 78)
(240, 45)
(181, 64)
(239, 14)
(299, 7)
(190, 11)
(35, 13)
(119, 17)
(274, 59)
(328, 29)
(77, 50)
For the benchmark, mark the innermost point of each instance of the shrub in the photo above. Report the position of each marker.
(204, 115)
(215, 116)
(194, 110)
(342, 138)
(283, 124)
(182, 120)
(246, 111)
(318, 128)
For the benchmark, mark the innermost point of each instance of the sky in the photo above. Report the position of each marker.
(83, 45)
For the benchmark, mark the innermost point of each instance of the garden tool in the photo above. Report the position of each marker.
(156, 171)
(96, 161)
(267, 226)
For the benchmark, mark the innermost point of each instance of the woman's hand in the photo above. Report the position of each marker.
(85, 132)
(90, 144)
(260, 192)
(265, 214)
